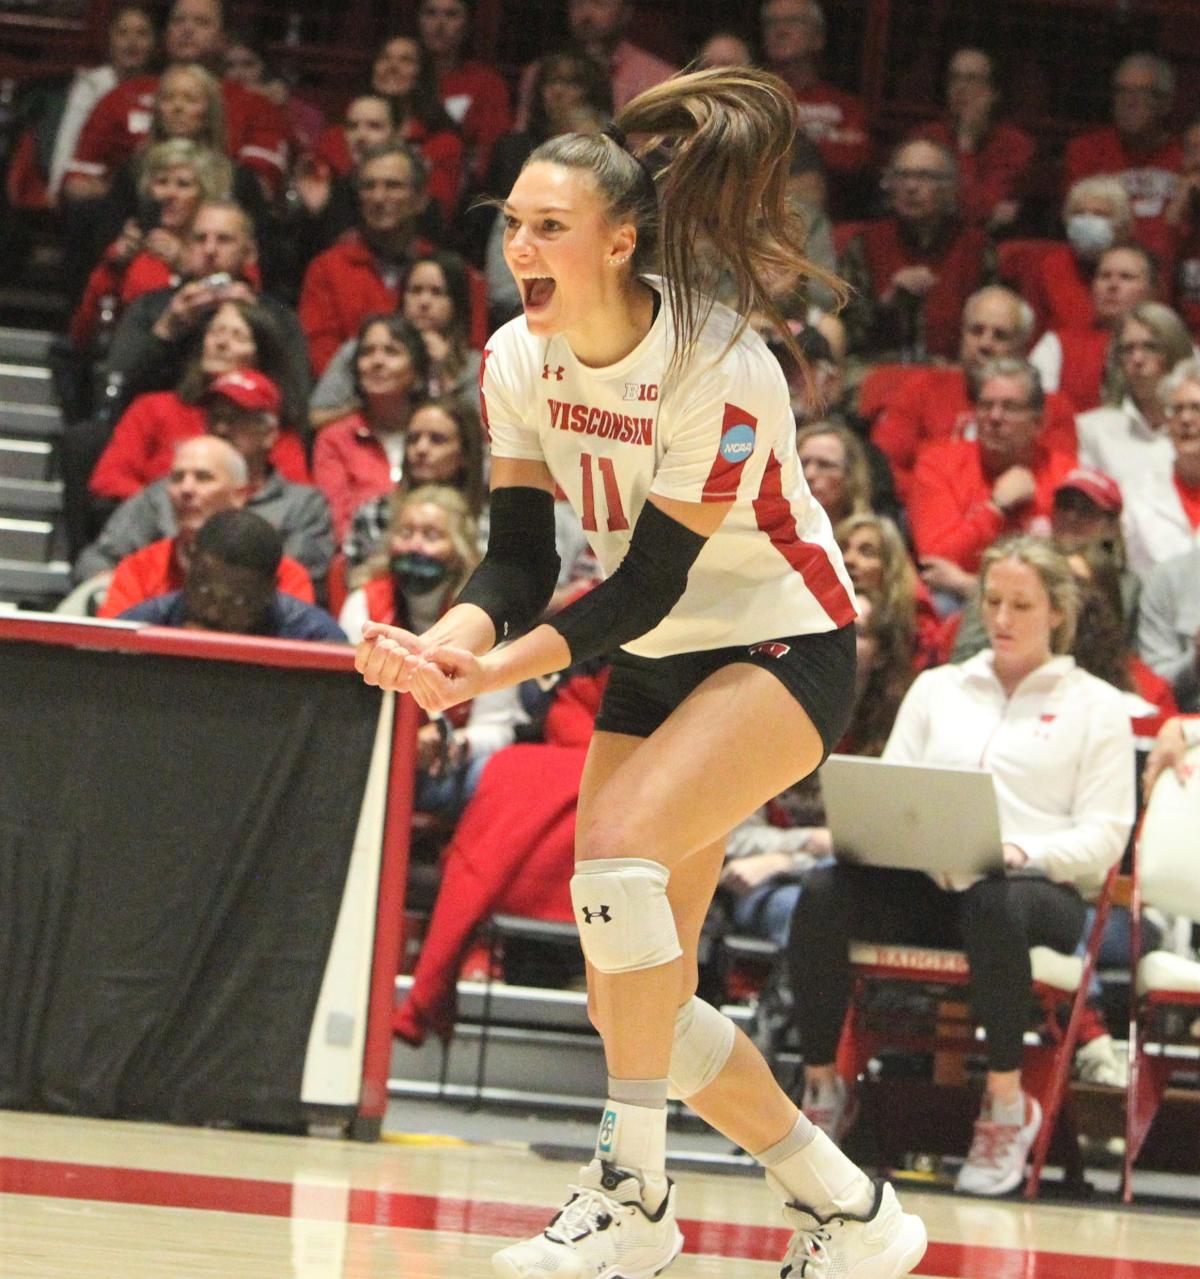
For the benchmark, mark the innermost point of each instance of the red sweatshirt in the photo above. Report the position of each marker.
(994, 172)
(837, 123)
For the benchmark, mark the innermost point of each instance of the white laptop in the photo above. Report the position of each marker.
(912, 816)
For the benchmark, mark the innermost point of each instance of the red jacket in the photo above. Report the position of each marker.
(837, 123)
(950, 511)
(1148, 176)
(1058, 288)
(443, 152)
(957, 261)
(342, 286)
(143, 445)
(933, 405)
(476, 98)
(996, 171)
(255, 132)
(1084, 352)
(155, 570)
(350, 467)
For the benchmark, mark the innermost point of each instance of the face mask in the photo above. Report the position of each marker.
(417, 573)
(1089, 234)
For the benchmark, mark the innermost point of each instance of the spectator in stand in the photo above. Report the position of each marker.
(245, 413)
(1169, 625)
(254, 131)
(597, 29)
(1128, 435)
(936, 403)
(967, 493)
(1073, 360)
(1182, 216)
(1162, 510)
(361, 456)
(912, 271)
(403, 74)
(207, 475)
(1057, 281)
(443, 445)
(993, 156)
(1138, 148)
(239, 335)
(570, 93)
(158, 332)
(363, 274)
(132, 44)
(879, 566)
(246, 64)
(1058, 744)
(151, 250)
(725, 49)
(231, 586)
(437, 302)
(474, 94)
(835, 467)
(793, 39)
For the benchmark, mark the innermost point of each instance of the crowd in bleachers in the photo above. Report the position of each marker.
(282, 318)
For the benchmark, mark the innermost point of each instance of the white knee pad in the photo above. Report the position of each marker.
(625, 921)
(703, 1042)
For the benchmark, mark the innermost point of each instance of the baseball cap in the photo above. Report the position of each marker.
(1101, 488)
(248, 389)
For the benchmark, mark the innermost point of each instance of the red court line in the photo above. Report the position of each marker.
(358, 1206)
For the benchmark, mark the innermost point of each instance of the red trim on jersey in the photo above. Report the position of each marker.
(483, 417)
(774, 515)
(726, 473)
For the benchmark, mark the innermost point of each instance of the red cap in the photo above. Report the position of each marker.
(1101, 488)
(248, 389)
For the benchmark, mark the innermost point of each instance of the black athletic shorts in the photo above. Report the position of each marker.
(818, 671)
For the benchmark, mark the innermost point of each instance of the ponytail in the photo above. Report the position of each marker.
(708, 184)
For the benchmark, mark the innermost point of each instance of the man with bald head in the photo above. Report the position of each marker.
(207, 475)
(936, 403)
(912, 271)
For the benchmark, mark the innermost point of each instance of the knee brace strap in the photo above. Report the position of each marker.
(624, 918)
(703, 1042)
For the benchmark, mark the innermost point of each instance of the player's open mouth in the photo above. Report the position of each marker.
(537, 291)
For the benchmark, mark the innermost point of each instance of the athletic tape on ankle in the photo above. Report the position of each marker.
(625, 921)
(703, 1042)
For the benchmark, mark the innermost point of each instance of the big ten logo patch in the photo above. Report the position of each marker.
(646, 392)
(608, 1131)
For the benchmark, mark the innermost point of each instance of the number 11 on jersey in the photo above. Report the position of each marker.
(617, 520)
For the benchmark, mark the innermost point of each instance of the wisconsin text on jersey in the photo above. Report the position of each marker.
(585, 419)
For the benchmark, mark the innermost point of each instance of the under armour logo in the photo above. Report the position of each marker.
(557, 373)
(601, 914)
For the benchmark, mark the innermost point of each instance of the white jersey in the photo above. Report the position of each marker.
(720, 429)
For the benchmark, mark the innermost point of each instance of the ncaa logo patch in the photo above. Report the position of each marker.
(737, 443)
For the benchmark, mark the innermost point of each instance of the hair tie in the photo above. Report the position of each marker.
(612, 130)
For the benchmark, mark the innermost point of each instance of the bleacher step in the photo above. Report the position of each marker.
(26, 384)
(30, 497)
(25, 346)
(25, 581)
(25, 459)
(38, 421)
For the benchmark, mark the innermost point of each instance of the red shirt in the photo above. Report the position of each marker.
(837, 123)
(476, 98)
(155, 570)
(1149, 177)
(255, 132)
(995, 171)
(1058, 287)
(933, 405)
(1084, 352)
(350, 467)
(143, 445)
(950, 511)
(342, 286)
(443, 152)
(1189, 498)
(956, 258)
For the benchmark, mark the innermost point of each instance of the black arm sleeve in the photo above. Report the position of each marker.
(644, 589)
(517, 576)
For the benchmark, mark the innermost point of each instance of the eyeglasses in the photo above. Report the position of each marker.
(1179, 410)
(1010, 408)
(936, 176)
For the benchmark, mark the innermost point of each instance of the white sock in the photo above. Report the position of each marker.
(807, 1168)
(1012, 1112)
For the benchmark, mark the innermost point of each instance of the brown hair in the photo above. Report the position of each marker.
(857, 474)
(877, 702)
(711, 174)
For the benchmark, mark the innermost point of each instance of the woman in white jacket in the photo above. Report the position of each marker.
(1059, 746)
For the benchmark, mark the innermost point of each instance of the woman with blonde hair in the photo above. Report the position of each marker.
(1058, 744)
(668, 425)
(835, 467)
